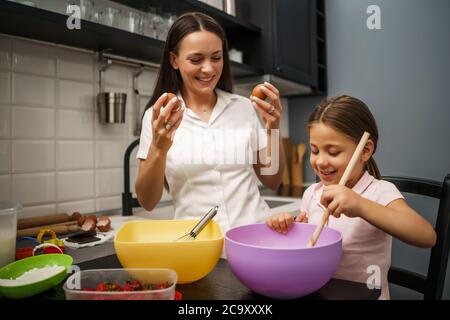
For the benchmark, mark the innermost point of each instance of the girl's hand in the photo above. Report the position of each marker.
(341, 200)
(269, 111)
(282, 222)
(165, 122)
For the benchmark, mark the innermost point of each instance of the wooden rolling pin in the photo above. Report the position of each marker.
(47, 220)
(61, 228)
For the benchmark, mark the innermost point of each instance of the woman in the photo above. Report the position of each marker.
(191, 146)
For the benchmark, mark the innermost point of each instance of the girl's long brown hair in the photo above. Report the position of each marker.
(352, 117)
(169, 79)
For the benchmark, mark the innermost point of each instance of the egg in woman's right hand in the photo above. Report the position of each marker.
(258, 92)
(170, 96)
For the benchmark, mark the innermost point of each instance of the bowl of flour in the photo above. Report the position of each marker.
(33, 275)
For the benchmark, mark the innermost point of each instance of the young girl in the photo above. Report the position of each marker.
(367, 211)
(195, 66)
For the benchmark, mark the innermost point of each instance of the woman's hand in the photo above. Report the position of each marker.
(269, 111)
(282, 222)
(165, 122)
(341, 200)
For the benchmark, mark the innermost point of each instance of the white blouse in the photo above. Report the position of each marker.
(211, 163)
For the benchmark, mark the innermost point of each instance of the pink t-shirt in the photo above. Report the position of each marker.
(365, 248)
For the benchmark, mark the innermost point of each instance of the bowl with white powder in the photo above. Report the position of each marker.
(33, 275)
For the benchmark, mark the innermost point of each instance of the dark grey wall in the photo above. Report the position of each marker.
(402, 72)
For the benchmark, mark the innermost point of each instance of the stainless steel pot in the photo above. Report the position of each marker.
(112, 107)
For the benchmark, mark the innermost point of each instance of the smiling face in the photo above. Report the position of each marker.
(200, 61)
(331, 152)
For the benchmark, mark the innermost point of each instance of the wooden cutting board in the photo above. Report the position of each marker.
(297, 165)
(287, 144)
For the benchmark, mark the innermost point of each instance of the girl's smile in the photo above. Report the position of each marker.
(331, 151)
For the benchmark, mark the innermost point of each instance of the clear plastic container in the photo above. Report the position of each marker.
(8, 231)
(78, 285)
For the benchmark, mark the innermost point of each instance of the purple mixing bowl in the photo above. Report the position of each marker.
(281, 265)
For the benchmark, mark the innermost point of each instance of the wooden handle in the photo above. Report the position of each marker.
(46, 220)
(297, 167)
(356, 155)
(68, 227)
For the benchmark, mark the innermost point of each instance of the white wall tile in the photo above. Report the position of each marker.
(31, 122)
(36, 188)
(116, 75)
(109, 154)
(5, 156)
(147, 81)
(111, 130)
(84, 206)
(131, 127)
(75, 65)
(48, 93)
(74, 124)
(76, 95)
(36, 211)
(75, 185)
(5, 87)
(34, 58)
(33, 90)
(103, 204)
(5, 187)
(33, 156)
(5, 121)
(109, 182)
(74, 155)
(5, 53)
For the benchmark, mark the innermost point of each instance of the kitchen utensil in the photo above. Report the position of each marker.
(355, 157)
(47, 220)
(280, 265)
(16, 269)
(111, 105)
(287, 169)
(200, 225)
(149, 244)
(53, 240)
(89, 279)
(62, 228)
(297, 166)
(8, 227)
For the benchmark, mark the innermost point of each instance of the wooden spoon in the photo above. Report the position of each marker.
(355, 157)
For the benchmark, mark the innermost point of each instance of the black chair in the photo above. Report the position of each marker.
(431, 285)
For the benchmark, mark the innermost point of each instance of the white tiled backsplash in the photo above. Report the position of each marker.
(55, 156)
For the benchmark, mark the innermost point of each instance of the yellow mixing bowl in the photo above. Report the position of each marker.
(152, 244)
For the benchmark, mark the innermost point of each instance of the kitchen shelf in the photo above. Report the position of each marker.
(233, 26)
(242, 70)
(35, 23)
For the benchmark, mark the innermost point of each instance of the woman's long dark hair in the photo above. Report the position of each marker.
(352, 117)
(169, 79)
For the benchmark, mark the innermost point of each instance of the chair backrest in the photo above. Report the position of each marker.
(431, 285)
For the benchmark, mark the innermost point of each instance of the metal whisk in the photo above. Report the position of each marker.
(200, 225)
